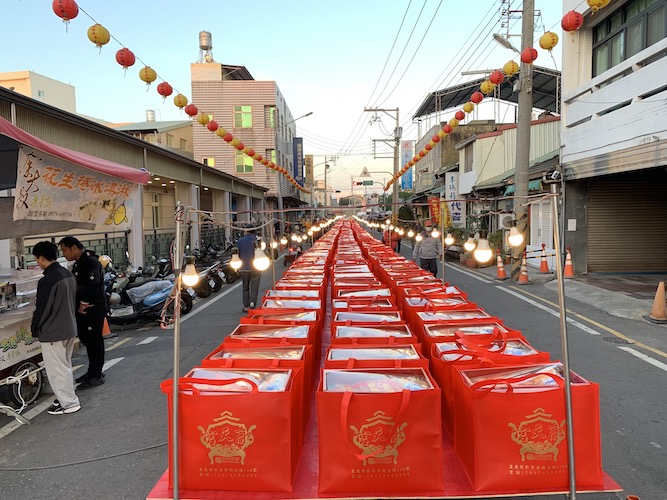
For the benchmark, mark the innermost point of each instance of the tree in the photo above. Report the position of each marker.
(344, 202)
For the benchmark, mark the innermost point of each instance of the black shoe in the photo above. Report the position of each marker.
(82, 378)
(91, 382)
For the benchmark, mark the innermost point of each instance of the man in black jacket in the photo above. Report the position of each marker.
(91, 308)
(54, 324)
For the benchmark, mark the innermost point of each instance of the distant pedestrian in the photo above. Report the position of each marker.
(249, 274)
(91, 308)
(54, 324)
(391, 238)
(427, 251)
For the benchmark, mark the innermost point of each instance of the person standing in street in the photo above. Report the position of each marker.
(91, 308)
(427, 251)
(249, 274)
(54, 324)
(391, 239)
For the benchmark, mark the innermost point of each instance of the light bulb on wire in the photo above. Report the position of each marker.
(261, 262)
(449, 239)
(190, 275)
(515, 238)
(483, 252)
(470, 244)
(435, 233)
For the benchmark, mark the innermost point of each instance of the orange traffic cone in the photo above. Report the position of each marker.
(659, 310)
(523, 275)
(569, 269)
(544, 265)
(502, 275)
(106, 329)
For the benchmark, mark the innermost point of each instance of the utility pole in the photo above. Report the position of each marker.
(398, 132)
(525, 102)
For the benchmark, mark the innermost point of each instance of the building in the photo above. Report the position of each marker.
(256, 113)
(614, 137)
(41, 88)
(175, 136)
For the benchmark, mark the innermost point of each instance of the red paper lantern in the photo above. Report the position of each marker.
(447, 129)
(459, 115)
(428, 147)
(228, 137)
(240, 146)
(422, 154)
(259, 157)
(250, 152)
(212, 125)
(416, 159)
(572, 21)
(528, 55)
(497, 77)
(435, 138)
(191, 110)
(164, 89)
(477, 97)
(265, 162)
(125, 57)
(65, 9)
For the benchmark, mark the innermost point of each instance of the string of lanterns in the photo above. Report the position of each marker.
(100, 36)
(570, 23)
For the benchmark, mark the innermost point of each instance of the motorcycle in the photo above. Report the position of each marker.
(453, 253)
(293, 253)
(144, 302)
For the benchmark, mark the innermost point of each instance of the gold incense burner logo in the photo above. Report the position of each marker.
(539, 436)
(227, 438)
(380, 438)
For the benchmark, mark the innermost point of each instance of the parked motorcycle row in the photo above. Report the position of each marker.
(140, 294)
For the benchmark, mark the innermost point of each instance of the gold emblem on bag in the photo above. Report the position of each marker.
(538, 436)
(227, 439)
(379, 437)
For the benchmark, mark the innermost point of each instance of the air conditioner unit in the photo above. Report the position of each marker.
(505, 221)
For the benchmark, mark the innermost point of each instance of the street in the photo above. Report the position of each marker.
(116, 446)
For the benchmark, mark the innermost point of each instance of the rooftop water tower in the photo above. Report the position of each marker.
(205, 47)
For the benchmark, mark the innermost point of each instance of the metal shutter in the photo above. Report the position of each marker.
(627, 222)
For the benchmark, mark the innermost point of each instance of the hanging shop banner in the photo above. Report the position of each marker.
(407, 152)
(437, 207)
(309, 170)
(297, 155)
(49, 188)
(456, 208)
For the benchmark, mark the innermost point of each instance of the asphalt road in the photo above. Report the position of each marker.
(115, 447)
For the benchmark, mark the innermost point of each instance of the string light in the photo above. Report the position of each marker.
(449, 239)
(515, 238)
(483, 252)
(261, 262)
(470, 244)
(190, 275)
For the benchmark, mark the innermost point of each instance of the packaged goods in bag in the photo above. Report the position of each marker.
(237, 430)
(373, 353)
(292, 293)
(379, 431)
(270, 331)
(381, 292)
(365, 303)
(367, 317)
(291, 304)
(510, 432)
(291, 352)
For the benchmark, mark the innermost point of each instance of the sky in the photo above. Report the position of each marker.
(333, 59)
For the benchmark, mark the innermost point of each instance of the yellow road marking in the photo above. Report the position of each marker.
(599, 325)
(118, 344)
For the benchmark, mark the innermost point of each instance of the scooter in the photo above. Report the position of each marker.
(453, 253)
(144, 302)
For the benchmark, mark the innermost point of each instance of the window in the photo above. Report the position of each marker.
(184, 145)
(151, 138)
(269, 116)
(209, 162)
(155, 210)
(170, 140)
(631, 29)
(243, 116)
(243, 163)
(41, 93)
(467, 167)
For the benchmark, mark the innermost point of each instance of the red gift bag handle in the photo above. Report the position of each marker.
(490, 384)
(345, 411)
(461, 353)
(189, 384)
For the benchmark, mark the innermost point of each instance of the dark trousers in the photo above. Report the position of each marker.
(89, 328)
(250, 286)
(430, 265)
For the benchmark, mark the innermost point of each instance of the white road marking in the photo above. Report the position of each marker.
(147, 340)
(111, 362)
(210, 302)
(644, 357)
(656, 445)
(30, 414)
(573, 322)
(477, 276)
(118, 344)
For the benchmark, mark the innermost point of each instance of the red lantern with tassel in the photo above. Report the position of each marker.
(496, 77)
(477, 97)
(428, 147)
(240, 146)
(65, 9)
(165, 90)
(528, 55)
(125, 57)
(459, 115)
(435, 138)
(572, 21)
(191, 110)
(212, 125)
(228, 137)
(447, 129)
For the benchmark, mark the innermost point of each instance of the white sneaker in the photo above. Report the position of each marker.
(59, 410)
(251, 306)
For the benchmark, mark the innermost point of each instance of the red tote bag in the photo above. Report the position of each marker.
(515, 440)
(380, 442)
(233, 441)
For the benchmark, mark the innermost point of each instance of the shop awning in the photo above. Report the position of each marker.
(107, 167)
(534, 185)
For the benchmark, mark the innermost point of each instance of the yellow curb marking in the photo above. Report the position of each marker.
(118, 344)
(599, 325)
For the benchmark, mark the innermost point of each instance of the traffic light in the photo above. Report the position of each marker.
(358, 183)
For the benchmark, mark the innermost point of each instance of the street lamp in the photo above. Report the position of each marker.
(505, 42)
